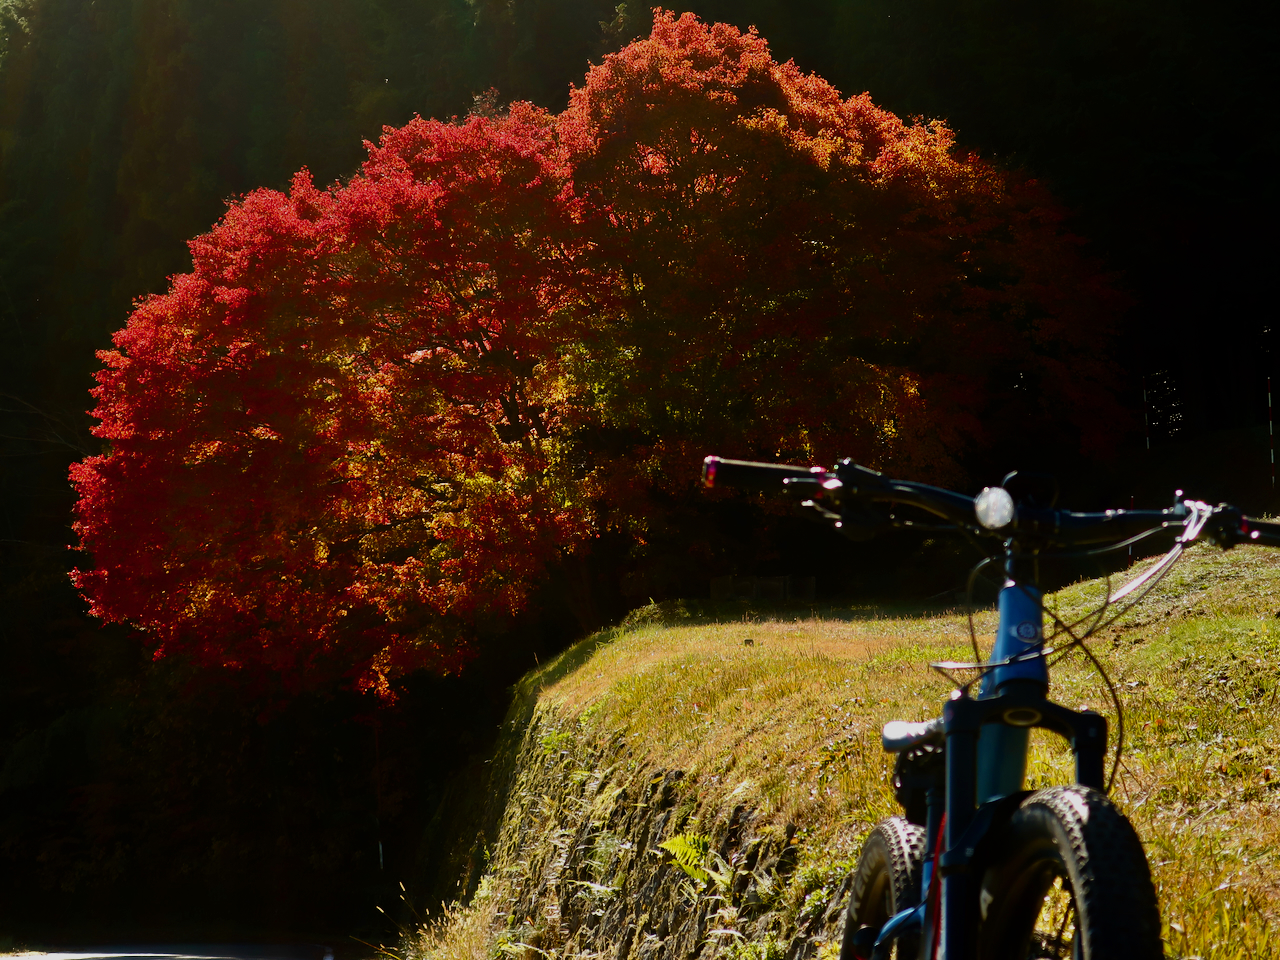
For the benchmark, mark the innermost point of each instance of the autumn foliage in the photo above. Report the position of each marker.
(374, 416)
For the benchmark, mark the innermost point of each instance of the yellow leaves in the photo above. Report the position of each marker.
(200, 598)
(822, 146)
(202, 450)
(766, 120)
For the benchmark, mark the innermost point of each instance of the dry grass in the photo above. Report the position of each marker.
(787, 722)
(782, 713)
(457, 933)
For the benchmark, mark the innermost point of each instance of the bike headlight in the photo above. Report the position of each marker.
(994, 507)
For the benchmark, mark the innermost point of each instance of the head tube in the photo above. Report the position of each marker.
(1019, 640)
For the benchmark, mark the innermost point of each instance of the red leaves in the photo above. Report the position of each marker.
(808, 276)
(320, 460)
(371, 416)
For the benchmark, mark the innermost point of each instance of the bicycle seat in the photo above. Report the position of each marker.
(899, 735)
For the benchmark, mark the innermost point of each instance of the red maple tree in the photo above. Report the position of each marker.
(807, 276)
(372, 416)
(332, 444)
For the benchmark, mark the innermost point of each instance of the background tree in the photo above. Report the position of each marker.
(804, 276)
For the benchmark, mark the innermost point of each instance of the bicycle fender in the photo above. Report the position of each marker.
(898, 924)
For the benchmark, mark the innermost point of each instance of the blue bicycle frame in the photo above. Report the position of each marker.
(987, 739)
(986, 735)
(986, 749)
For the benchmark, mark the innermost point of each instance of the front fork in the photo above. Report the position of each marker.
(987, 741)
(986, 757)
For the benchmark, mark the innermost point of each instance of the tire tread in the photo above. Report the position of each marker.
(1116, 901)
(894, 846)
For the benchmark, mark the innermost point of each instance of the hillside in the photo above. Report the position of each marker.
(750, 736)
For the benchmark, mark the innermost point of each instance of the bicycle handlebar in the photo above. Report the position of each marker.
(842, 497)
(769, 477)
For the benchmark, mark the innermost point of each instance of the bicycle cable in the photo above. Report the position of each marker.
(1079, 641)
(1137, 588)
(968, 606)
(1111, 548)
(1143, 584)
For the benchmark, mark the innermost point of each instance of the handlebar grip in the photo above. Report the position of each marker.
(750, 475)
(1263, 532)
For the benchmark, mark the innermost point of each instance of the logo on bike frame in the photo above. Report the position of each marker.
(1026, 631)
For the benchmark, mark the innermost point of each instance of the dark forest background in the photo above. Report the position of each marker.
(141, 799)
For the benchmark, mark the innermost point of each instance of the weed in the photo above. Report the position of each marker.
(770, 948)
(555, 741)
(814, 885)
(458, 933)
(605, 849)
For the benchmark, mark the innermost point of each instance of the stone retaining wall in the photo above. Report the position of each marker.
(578, 870)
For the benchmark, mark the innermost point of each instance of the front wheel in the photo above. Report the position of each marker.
(1070, 880)
(886, 881)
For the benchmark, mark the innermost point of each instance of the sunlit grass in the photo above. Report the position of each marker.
(457, 933)
(782, 712)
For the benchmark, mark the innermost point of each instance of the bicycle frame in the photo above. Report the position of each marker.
(986, 736)
(987, 739)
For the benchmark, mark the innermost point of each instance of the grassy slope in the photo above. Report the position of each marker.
(789, 725)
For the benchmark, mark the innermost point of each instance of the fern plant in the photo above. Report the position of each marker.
(691, 852)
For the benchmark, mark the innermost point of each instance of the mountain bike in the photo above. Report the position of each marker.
(978, 867)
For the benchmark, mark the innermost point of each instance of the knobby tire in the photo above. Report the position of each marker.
(886, 880)
(1068, 879)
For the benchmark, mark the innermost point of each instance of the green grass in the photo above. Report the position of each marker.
(789, 724)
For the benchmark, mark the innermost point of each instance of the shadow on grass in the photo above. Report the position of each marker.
(688, 613)
(525, 693)
(478, 798)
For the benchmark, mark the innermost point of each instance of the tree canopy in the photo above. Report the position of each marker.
(327, 442)
(373, 416)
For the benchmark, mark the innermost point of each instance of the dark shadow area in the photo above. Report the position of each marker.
(185, 951)
(144, 800)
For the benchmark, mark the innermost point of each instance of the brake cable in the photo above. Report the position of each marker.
(1143, 584)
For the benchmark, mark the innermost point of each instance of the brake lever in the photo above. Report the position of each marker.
(826, 495)
(815, 493)
(1225, 527)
